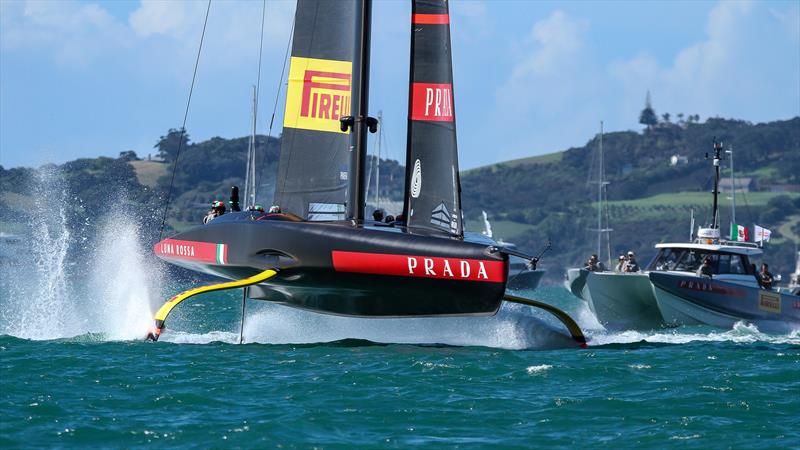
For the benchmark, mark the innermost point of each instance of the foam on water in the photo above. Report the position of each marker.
(511, 328)
(740, 333)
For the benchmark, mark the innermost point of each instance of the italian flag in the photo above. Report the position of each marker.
(739, 233)
(222, 254)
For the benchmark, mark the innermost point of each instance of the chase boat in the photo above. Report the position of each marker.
(730, 294)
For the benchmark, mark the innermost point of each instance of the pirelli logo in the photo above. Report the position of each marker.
(318, 94)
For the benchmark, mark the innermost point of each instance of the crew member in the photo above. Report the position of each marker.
(594, 264)
(217, 209)
(631, 265)
(274, 209)
(620, 264)
(705, 269)
(765, 278)
(377, 215)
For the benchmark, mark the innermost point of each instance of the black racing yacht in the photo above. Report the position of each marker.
(319, 253)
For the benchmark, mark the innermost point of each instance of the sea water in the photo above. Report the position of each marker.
(75, 372)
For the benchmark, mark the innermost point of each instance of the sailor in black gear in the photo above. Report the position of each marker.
(765, 278)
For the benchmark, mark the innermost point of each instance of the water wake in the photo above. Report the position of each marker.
(512, 328)
(740, 333)
(63, 286)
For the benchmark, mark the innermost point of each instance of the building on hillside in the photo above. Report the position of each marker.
(678, 159)
(743, 184)
(782, 187)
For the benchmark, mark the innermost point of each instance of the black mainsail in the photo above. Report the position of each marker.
(314, 164)
(433, 192)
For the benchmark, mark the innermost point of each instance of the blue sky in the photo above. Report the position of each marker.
(84, 78)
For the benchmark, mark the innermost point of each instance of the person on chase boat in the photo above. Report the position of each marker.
(705, 270)
(765, 278)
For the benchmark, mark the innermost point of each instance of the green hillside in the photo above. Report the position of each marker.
(650, 200)
(529, 200)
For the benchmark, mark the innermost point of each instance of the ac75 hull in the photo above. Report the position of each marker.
(338, 268)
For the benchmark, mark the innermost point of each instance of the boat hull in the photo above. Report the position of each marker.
(525, 280)
(576, 283)
(623, 301)
(692, 300)
(338, 268)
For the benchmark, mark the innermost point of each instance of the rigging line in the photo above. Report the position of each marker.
(183, 127)
(280, 85)
(258, 89)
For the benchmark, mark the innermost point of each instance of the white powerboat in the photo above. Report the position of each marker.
(725, 291)
(575, 282)
(623, 301)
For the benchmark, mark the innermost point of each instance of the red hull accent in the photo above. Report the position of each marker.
(455, 269)
(192, 251)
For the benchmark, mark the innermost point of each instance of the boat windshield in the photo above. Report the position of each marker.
(689, 260)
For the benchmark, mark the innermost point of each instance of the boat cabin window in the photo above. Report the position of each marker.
(665, 259)
(689, 260)
(731, 264)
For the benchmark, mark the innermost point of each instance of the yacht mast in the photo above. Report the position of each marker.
(250, 176)
(378, 162)
(601, 197)
(359, 122)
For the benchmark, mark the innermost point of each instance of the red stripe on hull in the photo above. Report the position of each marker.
(189, 250)
(420, 266)
(430, 19)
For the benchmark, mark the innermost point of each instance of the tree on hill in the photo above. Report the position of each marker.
(648, 115)
(175, 141)
(128, 155)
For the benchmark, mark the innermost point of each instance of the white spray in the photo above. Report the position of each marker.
(48, 299)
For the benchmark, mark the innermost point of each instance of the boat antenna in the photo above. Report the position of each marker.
(718, 148)
(183, 127)
(733, 188)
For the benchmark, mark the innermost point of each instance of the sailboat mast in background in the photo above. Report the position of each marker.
(602, 203)
(250, 176)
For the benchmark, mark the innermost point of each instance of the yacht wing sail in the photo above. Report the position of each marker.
(314, 167)
(433, 188)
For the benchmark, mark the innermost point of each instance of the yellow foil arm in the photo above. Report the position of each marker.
(164, 311)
